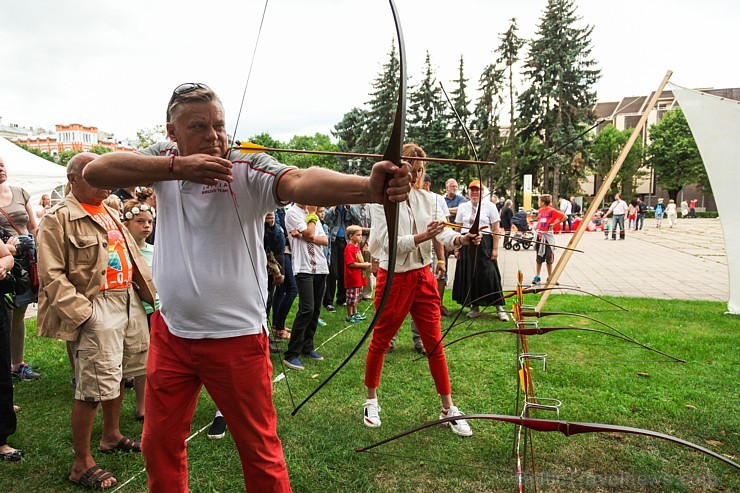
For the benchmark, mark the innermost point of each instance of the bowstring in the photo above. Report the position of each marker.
(263, 296)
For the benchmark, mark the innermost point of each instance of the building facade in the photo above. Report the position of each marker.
(625, 114)
(72, 137)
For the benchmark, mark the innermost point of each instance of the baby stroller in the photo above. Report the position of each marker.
(523, 236)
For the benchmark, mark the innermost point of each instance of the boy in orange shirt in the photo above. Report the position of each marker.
(354, 263)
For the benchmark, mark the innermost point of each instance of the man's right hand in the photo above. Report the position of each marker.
(203, 168)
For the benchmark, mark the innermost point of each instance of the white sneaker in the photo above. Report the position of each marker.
(371, 416)
(502, 315)
(458, 426)
(473, 313)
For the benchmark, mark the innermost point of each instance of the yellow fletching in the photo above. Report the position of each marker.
(250, 148)
(523, 379)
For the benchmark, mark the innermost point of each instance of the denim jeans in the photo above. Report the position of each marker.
(284, 296)
(618, 221)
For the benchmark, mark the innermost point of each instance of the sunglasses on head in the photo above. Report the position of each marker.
(183, 89)
(189, 87)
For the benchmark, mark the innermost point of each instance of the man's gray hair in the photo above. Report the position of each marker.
(78, 161)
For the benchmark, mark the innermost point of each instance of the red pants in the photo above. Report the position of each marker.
(415, 292)
(236, 372)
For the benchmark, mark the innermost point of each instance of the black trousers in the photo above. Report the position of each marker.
(335, 280)
(7, 416)
(310, 289)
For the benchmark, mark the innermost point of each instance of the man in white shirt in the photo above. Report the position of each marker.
(211, 272)
(566, 208)
(618, 209)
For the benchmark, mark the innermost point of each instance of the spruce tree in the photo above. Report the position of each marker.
(486, 125)
(383, 102)
(508, 51)
(461, 104)
(425, 108)
(558, 102)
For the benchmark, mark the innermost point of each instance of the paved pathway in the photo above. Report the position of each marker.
(687, 261)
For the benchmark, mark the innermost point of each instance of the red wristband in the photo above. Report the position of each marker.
(171, 167)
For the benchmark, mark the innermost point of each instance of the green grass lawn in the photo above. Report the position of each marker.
(599, 379)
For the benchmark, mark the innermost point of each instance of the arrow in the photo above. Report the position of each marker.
(252, 148)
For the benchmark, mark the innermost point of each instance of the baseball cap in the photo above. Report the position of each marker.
(474, 184)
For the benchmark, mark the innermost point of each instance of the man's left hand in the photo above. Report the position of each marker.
(398, 186)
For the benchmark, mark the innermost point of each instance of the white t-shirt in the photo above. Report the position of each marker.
(488, 216)
(618, 207)
(441, 204)
(204, 271)
(308, 258)
(565, 207)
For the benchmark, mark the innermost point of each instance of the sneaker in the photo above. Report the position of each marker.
(420, 350)
(274, 349)
(293, 363)
(371, 416)
(536, 280)
(129, 383)
(314, 355)
(351, 320)
(218, 428)
(473, 313)
(458, 426)
(360, 316)
(321, 323)
(502, 315)
(330, 308)
(24, 372)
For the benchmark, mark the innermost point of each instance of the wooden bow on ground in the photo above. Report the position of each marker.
(567, 428)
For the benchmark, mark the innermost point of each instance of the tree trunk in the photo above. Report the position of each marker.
(556, 180)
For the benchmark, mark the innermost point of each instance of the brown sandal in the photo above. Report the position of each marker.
(94, 478)
(125, 444)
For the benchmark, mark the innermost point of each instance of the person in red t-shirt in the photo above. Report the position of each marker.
(547, 217)
(354, 263)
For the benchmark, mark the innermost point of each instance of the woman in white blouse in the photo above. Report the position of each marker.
(478, 282)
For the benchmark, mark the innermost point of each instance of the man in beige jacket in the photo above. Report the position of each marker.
(92, 281)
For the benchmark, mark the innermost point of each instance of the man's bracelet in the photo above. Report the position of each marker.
(171, 167)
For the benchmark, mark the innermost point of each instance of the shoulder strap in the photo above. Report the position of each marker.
(12, 223)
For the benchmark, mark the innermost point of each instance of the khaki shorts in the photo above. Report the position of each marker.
(113, 345)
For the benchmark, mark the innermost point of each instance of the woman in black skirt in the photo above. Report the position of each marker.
(482, 288)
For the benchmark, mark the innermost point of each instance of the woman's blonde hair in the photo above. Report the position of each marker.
(416, 153)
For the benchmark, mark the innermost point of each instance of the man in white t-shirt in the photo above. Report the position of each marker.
(618, 209)
(566, 208)
(211, 273)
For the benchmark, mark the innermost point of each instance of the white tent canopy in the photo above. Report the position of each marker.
(715, 123)
(30, 172)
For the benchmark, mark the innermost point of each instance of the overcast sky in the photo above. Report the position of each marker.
(113, 64)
